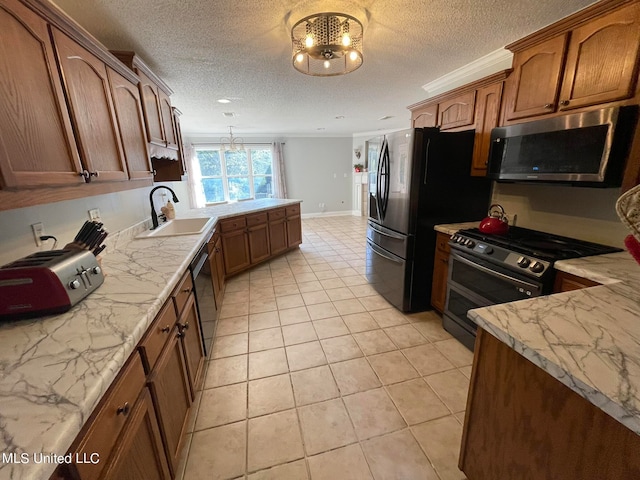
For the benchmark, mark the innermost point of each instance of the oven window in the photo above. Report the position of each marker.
(494, 289)
(458, 306)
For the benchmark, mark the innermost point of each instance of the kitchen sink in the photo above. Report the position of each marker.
(179, 226)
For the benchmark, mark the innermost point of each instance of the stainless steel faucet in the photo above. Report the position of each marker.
(154, 215)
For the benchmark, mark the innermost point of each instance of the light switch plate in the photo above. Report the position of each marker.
(94, 215)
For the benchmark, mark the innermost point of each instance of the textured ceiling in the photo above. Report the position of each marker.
(240, 49)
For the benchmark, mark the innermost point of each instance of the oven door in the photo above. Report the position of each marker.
(475, 283)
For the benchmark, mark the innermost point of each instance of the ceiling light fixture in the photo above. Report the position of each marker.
(224, 100)
(231, 143)
(327, 44)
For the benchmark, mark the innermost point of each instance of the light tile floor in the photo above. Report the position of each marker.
(313, 375)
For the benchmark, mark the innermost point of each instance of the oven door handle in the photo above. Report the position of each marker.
(378, 251)
(387, 233)
(493, 273)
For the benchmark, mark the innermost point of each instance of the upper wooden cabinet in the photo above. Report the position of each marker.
(37, 144)
(425, 117)
(488, 102)
(151, 107)
(458, 111)
(587, 59)
(92, 111)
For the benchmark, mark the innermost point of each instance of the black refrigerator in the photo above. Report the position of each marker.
(418, 178)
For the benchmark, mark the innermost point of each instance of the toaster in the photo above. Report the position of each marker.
(48, 282)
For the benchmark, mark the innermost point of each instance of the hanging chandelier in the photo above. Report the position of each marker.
(327, 44)
(231, 143)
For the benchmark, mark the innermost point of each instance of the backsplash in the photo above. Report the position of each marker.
(578, 212)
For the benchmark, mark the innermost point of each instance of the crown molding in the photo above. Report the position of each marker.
(500, 59)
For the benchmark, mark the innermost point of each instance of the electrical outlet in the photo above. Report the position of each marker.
(94, 214)
(38, 231)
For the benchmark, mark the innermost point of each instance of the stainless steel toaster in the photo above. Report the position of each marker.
(47, 282)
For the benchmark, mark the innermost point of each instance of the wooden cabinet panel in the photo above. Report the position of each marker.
(520, 422)
(92, 112)
(157, 335)
(458, 111)
(294, 231)
(236, 251)
(565, 282)
(276, 214)
(171, 393)
(126, 99)
(601, 60)
(278, 235)
(258, 238)
(139, 452)
(168, 128)
(488, 102)
(232, 224)
(189, 326)
(426, 117)
(532, 88)
(151, 109)
(440, 272)
(33, 113)
(109, 420)
(216, 266)
(182, 292)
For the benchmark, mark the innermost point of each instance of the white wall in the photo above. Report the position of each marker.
(64, 219)
(584, 213)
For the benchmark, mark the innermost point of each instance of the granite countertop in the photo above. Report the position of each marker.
(56, 369)
(588, 339)
(451, 228)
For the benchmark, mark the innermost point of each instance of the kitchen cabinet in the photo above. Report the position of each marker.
(92, 113)
(588, 59)
(123, 431)
(126, 100)
(294, 226)
(565, 282)
(277, 231)
(488, 103)
(167, 170)
(426, 117)
(520, 422)
(35, 118)
(192, 344)
(440, 272)
(235, 245)
(258, 237)
(458, 111)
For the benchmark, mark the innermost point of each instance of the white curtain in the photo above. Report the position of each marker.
(196, 191)
(279, 182)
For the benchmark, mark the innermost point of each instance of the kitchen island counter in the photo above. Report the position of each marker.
(56, 369)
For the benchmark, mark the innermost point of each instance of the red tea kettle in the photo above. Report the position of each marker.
(496, 222)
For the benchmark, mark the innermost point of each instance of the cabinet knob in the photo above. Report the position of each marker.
(166, 329)
(548, 105)
(85, 174)
(94, 174)
(179, 335)
(124, 409)
(185, 326)
(186, 290)
(564, 103)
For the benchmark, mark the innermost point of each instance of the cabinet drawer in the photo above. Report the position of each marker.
(183, 290)
(157, 336)
(112, 414)
(277, 214)
(293, 210)
(442, 242)
(256, 219)
(232, 224)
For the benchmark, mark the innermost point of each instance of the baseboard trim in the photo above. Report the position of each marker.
(326, 214)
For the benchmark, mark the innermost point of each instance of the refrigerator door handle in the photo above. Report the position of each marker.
(426, 157)
(378, 251)
(387, 233)
(378, 180)
(384, 169)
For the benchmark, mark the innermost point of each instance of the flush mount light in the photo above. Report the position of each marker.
(327, 44)
(223, 100)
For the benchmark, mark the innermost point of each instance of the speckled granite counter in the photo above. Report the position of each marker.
(588, 339)
(56, 369)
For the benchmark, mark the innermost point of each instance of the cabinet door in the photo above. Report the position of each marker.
(213, 248)
(139, 453)
(439, 285)
(566, 282)
(532, 88)
(457, 112)
(601, 60)
(37, 144)
(151, 109)
(189, 326)
(258, 237)
(487, 117)
(278, 236)
(167, 120)
(426, 117)
(126, 99)
(92, 112)
(236, 251)
(169, 385)
(294, 231)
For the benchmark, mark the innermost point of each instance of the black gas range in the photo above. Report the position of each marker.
(487, 269)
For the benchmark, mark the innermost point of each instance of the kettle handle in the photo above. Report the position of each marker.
(498, 212)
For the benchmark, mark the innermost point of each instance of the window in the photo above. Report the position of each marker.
(228, 175)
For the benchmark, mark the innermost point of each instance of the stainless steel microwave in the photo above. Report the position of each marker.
(588, 148)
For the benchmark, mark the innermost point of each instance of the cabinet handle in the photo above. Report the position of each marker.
(124, 410)
(166, 329)
(94, 174)
(179, 335)
(548, 105)
(186, 290)
(85, 174)
(564, 103)
(185, 326)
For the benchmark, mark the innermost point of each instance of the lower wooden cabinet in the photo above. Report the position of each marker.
(235, 246)
(440, 272)
(258, 237)
(565, 282)
(191, 338)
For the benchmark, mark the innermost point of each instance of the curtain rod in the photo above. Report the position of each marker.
(243, 143)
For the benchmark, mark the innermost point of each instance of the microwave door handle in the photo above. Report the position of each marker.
(493, 273)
